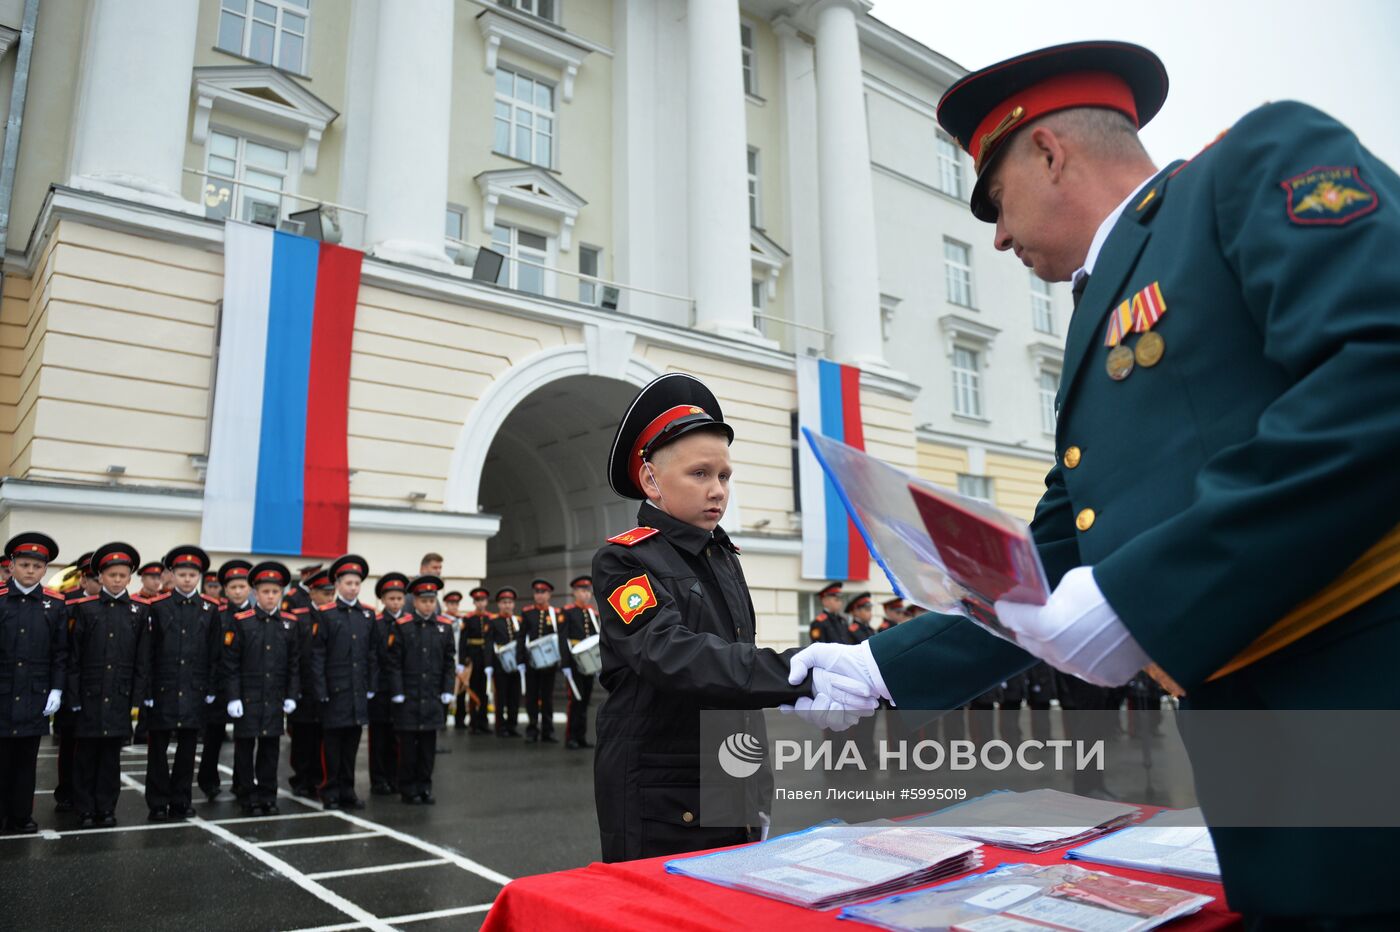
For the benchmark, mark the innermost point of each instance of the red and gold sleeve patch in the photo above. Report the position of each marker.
(632, 598)
(1329, 195)
(228, 638)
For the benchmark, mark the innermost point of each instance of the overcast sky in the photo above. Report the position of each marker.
(1223, 57)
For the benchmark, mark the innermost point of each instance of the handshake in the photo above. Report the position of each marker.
(846, 684)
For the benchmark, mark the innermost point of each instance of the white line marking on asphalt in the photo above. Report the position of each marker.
(404, 920)
(379, 869)
(312, 840)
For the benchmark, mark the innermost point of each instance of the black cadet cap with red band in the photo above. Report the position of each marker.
(233, 569)
(350, 564)
(269, 571)
(667, 409)
(187, 555)
(117, 553)
(985, 109)
(320, 579)
(831, 588)
(581, 582)
(540, 585)
(31, 544)
(153, 568)
(84, 564)
(390, 582)
(859, 600)
(425, 586)
(480, 592)
(505, 593)
(452, 598)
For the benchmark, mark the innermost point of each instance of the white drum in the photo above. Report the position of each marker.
(544, 651)
(505, 657)
(588, 655)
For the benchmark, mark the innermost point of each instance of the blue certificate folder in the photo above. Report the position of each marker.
(940, 550)
(1172, 842)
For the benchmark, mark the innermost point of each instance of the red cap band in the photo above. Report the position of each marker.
(1063, 91)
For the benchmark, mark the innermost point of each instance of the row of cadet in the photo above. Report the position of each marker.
(238, 646)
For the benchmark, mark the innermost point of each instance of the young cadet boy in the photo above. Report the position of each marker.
(452, 608)
(182, 650)
(473, 648)
(107, 664)
(539, 620)
(383, 746)
(308, 766)
(421, 673)
(504, 627)
(233, 577)
(150, 574)
(212, 587)
(345, 671)
(33, 663)
(65, 720)
(580, 621)
(262, 680)
(677, 628)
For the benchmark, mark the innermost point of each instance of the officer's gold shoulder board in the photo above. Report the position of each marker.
(633, 537)
(632, 598)
(228, 638)
(1328, 195)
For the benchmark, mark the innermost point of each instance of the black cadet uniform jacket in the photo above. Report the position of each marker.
(107, 662)
(307, 625)
(536, 623)
(33, 657)
(384, 624)
(504, 630)
(579, 623)
(473, 642)
(421, 669)
(831, 627)
(217, 712)
(685, 643)
(261, 669)
(182, 650)
(345, 663)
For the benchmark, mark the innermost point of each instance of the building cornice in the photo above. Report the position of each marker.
(279, 100)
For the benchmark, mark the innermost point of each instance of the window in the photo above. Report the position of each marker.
(456, 229)
(978, 487)
(524, 127)
(967, 382)
(270, 31)
(544, 9)
(1042, 305)
(753, 190)
(1049, 387)
(530, 247)
(262, 169)
(749, 60)
(950, 167)
(590, 262)
(760, 301)
(957, 266)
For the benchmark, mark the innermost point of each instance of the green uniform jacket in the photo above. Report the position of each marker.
(1239, 475)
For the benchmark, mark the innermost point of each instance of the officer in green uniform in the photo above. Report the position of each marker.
(1227, 433)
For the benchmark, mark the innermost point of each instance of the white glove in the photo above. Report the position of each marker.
(765, 822)
(522, 677)
(445, 697)
(573, 687)
(370, 694)
(148, 703)
(489, 673)
(824, 713)
(235, 708)
(397, 700)
(844, 691)
(208, 700)
(461, 668)
(1077, 631)
(53, 703)
(289, 706)
(853, 662)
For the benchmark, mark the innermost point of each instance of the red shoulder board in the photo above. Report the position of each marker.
(210, 599)
(51, 594)
(86, 598)
(633, 537)
(288, 616)
(163, 595)
(5, 590)
(328, 606)
(445, 619)
(246, 613)
(301, 610)
(370, 608)
(405, 618)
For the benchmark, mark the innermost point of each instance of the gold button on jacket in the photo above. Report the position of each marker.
(1085, 519)
(1071, 457)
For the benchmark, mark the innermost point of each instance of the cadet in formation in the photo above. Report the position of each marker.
(580, 622)
(539, 621)
(345, 674)
(474, 651)
(383, 746)
(421, 671)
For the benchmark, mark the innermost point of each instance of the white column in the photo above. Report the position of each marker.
(717, 172)
(850, 271)
(406, 186)
(798, 103)
(134, 101)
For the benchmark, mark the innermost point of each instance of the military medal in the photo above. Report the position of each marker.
(1149, 349)
(1120, 363)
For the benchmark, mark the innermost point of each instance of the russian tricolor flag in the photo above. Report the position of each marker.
(828, 403)
(278, 480)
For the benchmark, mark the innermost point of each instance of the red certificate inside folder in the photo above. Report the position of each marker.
(982, 552)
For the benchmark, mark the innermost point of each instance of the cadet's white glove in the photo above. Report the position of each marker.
(765, 822)
(490, 672)
(1077, 631)
(397, 700)
(446, 698)
(573, 687)
(461, 668)
(860, 679)
(370, 694)
(54, 702)
(522, 677)
(208, 700)
(289, 706)
(235, 708)
(148, 703)
(825, 713)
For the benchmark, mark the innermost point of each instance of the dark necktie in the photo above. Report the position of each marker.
(1077, 291)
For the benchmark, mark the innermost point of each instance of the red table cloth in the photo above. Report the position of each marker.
(641, 895)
